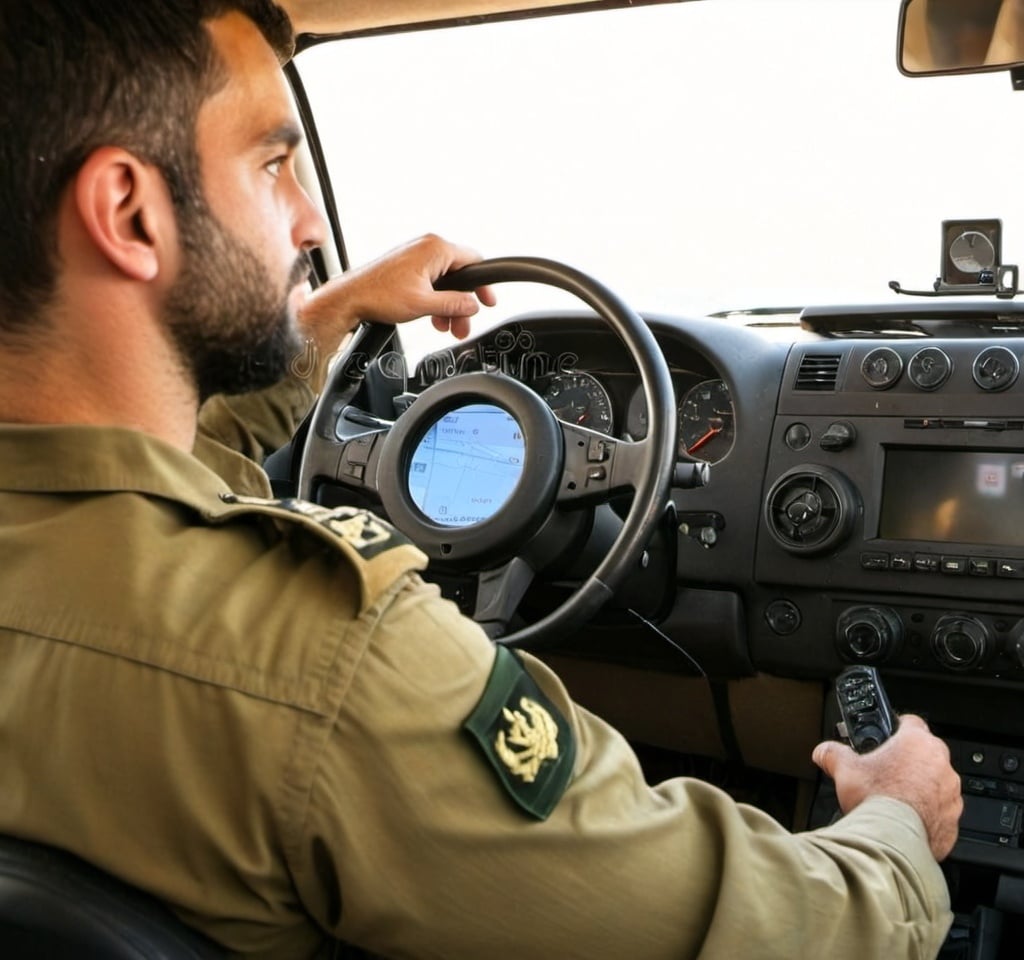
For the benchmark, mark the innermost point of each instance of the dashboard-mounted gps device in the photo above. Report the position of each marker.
(971, 263)
(971, 253)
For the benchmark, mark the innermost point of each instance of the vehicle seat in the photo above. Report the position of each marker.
(54, 905)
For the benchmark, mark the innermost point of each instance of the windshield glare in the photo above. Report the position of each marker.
(696, 157)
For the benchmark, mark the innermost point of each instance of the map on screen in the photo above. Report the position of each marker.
(467, 465)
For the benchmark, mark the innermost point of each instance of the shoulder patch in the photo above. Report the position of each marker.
(524, 737)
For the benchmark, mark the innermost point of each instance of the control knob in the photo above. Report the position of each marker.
(868, 634)
(959, 641)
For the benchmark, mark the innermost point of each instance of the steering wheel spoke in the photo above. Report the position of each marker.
(357, 464)
(348, 455)
(499, 593)
(597, 467)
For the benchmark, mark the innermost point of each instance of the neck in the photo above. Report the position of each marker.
(106, 363)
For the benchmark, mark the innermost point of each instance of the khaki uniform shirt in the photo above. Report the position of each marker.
(256, 712)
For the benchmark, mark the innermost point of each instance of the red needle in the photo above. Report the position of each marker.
(698, 443)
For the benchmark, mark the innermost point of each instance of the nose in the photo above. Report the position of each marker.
(309, 229)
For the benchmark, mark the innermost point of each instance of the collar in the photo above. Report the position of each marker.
(91, 459)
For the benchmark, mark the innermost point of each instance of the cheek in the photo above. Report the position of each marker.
(267, 232)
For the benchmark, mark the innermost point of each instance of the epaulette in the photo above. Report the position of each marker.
(376, 550)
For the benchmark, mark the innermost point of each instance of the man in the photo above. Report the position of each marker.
(259, 712)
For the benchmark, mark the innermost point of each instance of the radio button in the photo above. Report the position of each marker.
(981, 567)
(874, 561)
(926, 562)
(1010, 569)
(980, 786)
(954, 565)
(902, 561)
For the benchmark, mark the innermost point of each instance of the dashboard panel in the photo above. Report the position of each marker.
(867, 501)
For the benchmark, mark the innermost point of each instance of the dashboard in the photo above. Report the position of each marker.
(866, 494)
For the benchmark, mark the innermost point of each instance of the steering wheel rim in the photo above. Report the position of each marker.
(657, 451)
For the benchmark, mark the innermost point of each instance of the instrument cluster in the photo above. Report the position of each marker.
(705, 411)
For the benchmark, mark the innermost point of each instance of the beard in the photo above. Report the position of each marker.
(233, 329)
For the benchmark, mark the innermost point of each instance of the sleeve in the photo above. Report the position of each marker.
(258, 423)
(411, 846)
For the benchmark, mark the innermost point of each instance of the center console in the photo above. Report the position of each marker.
(893, 512)
(892, 534)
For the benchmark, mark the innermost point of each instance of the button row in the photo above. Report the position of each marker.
(985, 787)
(941, 563)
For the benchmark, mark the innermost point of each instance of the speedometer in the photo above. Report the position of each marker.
(706, 427)
(580, 398)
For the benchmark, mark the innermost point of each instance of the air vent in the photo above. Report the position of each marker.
(810, 509)
(818, 371)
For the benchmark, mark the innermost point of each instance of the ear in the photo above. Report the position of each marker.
(126, 209)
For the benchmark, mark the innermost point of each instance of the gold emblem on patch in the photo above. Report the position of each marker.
(534, 733)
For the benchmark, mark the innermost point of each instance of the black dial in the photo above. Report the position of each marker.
(579, 398)
(706, 427)
(929, 368)
(882, 367)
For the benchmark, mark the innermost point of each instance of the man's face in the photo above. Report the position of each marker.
(231, 308)
(233, 326)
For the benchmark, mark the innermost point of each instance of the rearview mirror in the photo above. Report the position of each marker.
(960, 36)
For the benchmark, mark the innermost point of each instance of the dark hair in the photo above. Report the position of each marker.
(76, 75)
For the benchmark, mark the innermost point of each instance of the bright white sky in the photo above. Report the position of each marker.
(694, 157)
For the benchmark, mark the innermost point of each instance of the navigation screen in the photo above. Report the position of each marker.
(467, 466)
(953, 496)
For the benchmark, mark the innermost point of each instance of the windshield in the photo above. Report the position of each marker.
(696, 157)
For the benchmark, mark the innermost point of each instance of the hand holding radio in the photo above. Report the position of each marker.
(898, 758)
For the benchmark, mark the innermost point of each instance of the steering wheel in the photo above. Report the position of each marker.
(565, 466)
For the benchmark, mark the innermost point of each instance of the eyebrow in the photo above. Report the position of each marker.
(286, 133)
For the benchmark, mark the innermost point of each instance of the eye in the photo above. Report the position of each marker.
(275, 166)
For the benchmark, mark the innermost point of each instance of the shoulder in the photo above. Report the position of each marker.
(377, 552)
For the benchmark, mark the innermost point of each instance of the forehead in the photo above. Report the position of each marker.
(255, 98)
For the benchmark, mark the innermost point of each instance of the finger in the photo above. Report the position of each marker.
(912, 720)
(487, 296)
(458, 327)
(452, 304)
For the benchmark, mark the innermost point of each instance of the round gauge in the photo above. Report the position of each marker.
(581, 399)
(929, 368)
(706, 421)
(972, 252)
(881, 368)
(995, 368)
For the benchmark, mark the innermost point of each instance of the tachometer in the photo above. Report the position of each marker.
(580, 398)
(706, 421)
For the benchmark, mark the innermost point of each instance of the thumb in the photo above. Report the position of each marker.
(827, 755)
